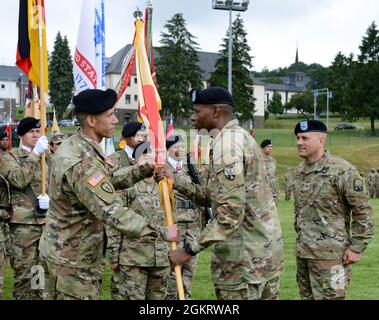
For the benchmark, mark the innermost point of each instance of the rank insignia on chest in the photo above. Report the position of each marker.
(95, 179)
(229, 173)
(358, 185)
(107, 187)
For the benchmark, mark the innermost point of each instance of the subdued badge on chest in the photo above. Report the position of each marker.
(358, 185)
(230, 173)
(107, 187)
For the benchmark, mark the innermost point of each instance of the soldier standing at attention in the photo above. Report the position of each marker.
(270, 164)
(133, 135)
(288, 184)
(371, 183)
(4, 138)
(143, 267)
(247, 251)
(5, 202)
(376, 183)
(187, 216)
(333, 218)
(22, 170)
(83, 198)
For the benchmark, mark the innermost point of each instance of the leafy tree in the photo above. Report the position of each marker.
(242, 88)
(177, 69)
(61, 80)
(364, 87)
(275, 105)
(303, 102)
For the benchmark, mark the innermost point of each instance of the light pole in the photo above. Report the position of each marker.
(329, 95)
(230, 5)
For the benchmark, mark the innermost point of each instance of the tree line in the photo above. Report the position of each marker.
(353, 80)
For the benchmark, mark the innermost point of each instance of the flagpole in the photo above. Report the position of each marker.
(42, 95)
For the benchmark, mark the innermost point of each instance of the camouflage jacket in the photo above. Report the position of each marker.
(185, 209)
(119, 159)
(83, 198)
(245, 231)
(144, 199)
(22, 169)
(332, 210)
(270, 164)
(288, 186)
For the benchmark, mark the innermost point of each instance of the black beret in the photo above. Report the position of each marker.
(3, 134)
(141, 148)
(211, 95)
(171, 140)
(94, 101)
(27, 124)
(130, 129)
(310, 126)
(265, 143)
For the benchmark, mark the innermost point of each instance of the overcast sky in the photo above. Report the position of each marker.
(321, 27)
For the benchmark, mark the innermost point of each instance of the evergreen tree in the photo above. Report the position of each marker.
(364, 87)
(177, 69)
(275, 106)
(339, 82)
(242, 83)
(61, 80)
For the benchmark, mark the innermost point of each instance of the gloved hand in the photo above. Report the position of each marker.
(43, 201)
(41, 146)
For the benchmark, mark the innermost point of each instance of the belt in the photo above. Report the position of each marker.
(185, 204)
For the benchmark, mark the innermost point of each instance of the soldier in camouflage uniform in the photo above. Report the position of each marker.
(23, 172)
(55, 141)
(5, 202)
(370, 182)
(186, 215)
(141, 266)
(333, 218)
(376, 183)
(83, 198)
(245, 233)
(288, 184)
(4, 138)
(270, 164)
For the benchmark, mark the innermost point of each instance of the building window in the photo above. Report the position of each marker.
(135, 98)
(135, 80)
(127, 98)
(3, 86)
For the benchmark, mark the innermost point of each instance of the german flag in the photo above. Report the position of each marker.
(27, 56)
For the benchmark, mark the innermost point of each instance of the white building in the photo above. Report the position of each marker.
(11, 80)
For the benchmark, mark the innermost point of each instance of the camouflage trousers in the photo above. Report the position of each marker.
(3, 257)
(322, 279)
(188, 233)
(30, 273)
(268, 290)
(68, 283)
(139, 283)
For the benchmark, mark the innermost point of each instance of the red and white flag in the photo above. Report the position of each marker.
(170, 127)
(89, 59)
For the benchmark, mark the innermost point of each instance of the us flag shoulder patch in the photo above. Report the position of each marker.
(95, 179)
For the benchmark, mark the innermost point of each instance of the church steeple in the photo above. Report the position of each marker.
(297, 58)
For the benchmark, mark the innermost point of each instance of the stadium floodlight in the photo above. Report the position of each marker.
(231, 6)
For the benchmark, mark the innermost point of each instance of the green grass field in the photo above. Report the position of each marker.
(361, 150)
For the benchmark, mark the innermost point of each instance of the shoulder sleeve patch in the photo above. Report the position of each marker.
(95, 178)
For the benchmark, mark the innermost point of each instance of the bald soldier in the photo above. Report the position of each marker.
(270, 164)
(333, 218)
(245, 233)
(83, 199)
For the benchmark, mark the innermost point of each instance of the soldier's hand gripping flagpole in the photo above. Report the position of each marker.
(149, 105)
